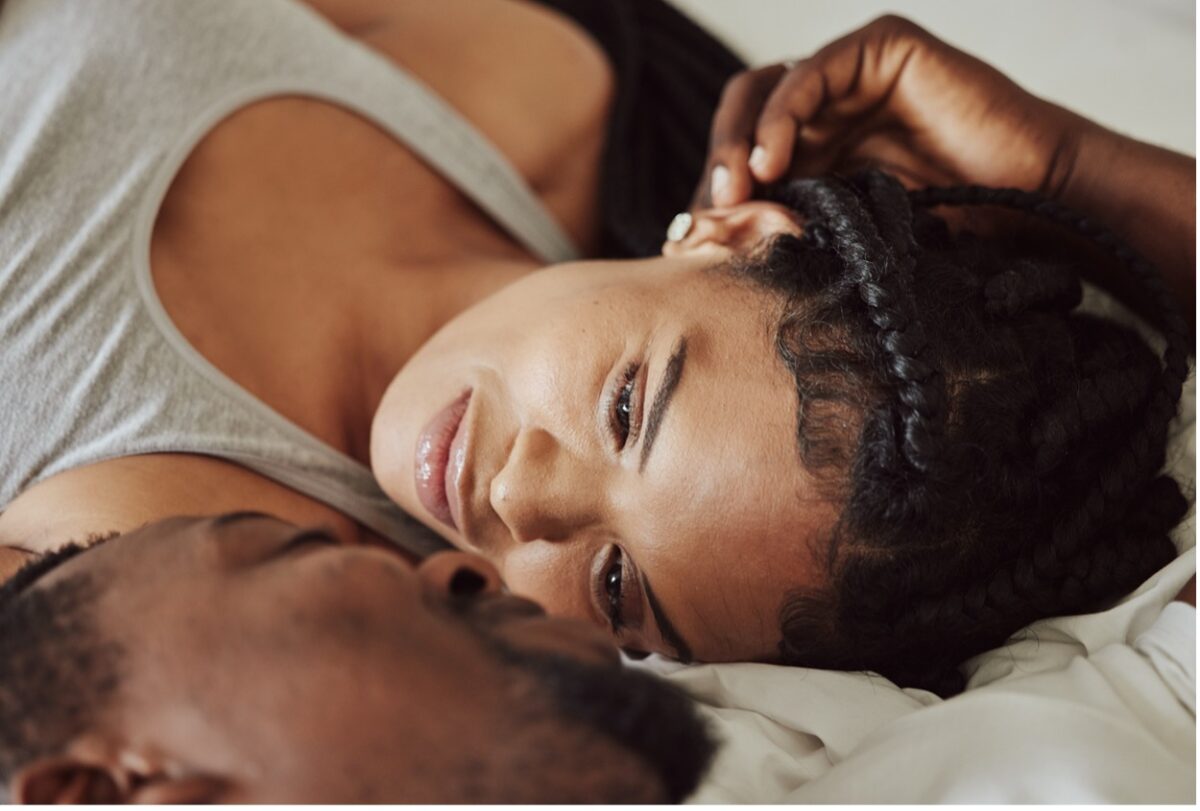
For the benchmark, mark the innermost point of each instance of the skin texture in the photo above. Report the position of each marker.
(721, 520)
(375, 685)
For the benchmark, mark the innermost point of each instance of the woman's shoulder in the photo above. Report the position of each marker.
(529, 78)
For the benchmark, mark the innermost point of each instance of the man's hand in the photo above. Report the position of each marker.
(890, 95)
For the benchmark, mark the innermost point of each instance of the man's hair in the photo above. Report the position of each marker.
(653, 722)
(57, 671)
(997, 453)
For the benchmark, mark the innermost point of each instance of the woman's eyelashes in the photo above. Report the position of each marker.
(614, 590)
(615, 586)
(624, 412)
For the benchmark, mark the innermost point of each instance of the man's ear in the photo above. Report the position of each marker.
(64, 780)
(70, 779)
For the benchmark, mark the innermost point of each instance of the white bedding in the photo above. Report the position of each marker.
(1108, 723)
(1113, 726)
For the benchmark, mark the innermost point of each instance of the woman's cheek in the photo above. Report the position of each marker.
(550, 574)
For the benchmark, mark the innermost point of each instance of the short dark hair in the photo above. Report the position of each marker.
(650, 719)
(57, 671)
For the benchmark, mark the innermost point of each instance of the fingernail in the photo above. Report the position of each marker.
(758, 159)
(720, 183)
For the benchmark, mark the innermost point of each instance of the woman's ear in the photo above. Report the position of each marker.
(737, 229)
(74, 779)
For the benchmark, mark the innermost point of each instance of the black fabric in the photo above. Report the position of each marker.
(669, 74)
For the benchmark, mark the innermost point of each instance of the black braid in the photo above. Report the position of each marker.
(1174, 327)
(1110, 394)
(880, 266)
(1032, 286)
(1035, 490)
(1145, 446)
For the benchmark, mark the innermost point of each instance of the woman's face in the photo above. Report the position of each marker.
(619, 439)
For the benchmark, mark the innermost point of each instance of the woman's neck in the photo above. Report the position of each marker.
(312, 300)
(408, 304)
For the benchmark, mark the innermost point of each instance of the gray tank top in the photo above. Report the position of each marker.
(100, 103)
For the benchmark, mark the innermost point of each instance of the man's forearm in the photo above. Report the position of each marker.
(1148, 196)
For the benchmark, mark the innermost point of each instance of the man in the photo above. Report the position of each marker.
(239, 659)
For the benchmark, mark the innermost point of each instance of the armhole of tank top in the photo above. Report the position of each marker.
(510, 186)
(143, 226)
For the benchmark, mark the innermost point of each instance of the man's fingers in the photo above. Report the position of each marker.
(797, 97)
(728, 175)
(723, 185)
(846, 79)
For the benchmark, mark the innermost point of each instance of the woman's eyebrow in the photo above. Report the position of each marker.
(683, 651)
(662, 398)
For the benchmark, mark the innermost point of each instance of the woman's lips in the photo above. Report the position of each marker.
(439, 459)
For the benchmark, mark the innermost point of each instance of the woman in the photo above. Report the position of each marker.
(302, 255)
(974, 455)
(369, 155)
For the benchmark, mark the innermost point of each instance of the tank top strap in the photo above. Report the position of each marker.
(415, 115)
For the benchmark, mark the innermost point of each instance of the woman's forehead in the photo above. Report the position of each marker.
(727, 521)
(723, 583)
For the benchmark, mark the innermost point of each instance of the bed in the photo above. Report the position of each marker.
(1090, 708)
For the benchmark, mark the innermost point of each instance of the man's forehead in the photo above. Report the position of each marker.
(154, 544)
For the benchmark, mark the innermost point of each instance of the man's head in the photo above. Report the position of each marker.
(241, 659)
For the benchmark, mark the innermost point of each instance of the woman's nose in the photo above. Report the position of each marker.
(544, 491)
(459, 574)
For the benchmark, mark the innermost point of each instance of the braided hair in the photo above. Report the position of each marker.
(996, 451)
(998, 454)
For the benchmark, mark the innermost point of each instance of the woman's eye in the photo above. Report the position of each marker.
(613, 582)
(622, 416)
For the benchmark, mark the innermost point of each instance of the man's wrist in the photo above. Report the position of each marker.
(1075, 176)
